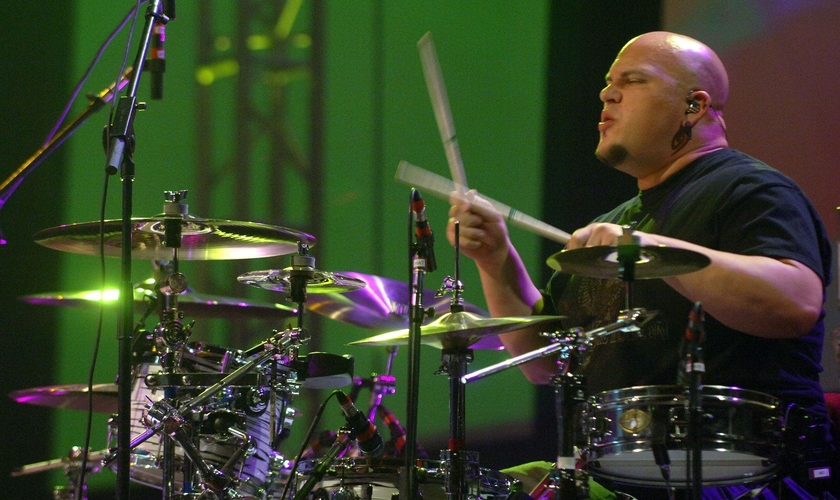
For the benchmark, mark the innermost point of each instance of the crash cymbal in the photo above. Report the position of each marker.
(201, 239)
(461, 329)
(384, 304)
(193, 304)
(278, 280)
(72, 397)
(653, 262)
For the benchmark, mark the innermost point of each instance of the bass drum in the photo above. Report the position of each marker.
(379, 479)
(741, 434)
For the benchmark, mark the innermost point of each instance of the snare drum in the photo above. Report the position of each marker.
(362, 478)
(740, 435)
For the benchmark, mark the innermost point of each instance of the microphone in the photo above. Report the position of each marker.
(367, 437)
(395, 428)
(422, 230)
(156, 64)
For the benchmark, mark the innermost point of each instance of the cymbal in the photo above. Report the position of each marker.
(201, 239)
(602, 262)
(279, 280)
(384, 304)
(461, 330)
(94, 459)
(72, 397)
(190, 302)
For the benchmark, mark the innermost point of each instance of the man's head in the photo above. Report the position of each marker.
(661, 89)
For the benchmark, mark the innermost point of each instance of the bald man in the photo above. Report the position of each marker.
(662, 123)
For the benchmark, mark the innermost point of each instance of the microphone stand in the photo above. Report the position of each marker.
(341, 443)
(420, 254)
(695, 367)
(97, 102)
(119, 147)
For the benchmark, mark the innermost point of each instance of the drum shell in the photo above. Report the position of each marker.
(259, 469)
(741, 434)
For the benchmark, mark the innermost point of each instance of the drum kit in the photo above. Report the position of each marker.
(208, 421)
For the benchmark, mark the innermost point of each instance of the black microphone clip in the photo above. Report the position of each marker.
(423, 231)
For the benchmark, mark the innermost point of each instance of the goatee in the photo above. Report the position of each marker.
(614, 156)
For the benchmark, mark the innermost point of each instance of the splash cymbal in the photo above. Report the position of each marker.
(201, 239)
(602, 262)
(461, 330)
(72, 397)
(384, 304)
(279, 280)
(190, 302)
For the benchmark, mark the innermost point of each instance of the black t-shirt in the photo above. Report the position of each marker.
(727, 201)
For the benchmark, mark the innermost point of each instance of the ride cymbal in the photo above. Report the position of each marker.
(461, 330)
(192, 303)
(384, 304)
(602, 262)
(71, 397)
(279, 280)
(201, 239)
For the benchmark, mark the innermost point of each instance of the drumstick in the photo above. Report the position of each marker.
(443, 115)
(443, 187)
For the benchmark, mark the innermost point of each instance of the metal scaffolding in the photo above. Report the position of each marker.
(259, 124)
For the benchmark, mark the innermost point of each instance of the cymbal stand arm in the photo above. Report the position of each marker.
(280, 342)
(569, 339)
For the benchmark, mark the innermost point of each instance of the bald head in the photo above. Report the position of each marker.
(692, 64)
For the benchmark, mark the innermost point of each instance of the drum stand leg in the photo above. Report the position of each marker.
(568, 482)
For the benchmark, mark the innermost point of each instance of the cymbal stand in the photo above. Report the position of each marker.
(380, 385)
(170, 334)
(568, 482)
(454, 362)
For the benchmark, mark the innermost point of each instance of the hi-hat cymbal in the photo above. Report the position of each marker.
(461, 330)
(192, 303)
(653, 262)
(72, 397)
(384, 304)
(201, 239)
(279, 280)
